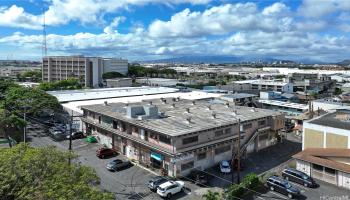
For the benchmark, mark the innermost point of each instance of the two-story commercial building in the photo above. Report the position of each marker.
(179, 135)
(326, 148)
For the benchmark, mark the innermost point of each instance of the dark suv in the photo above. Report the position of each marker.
(155, 182)
(105, 152)
(298, 177)
(282, 186)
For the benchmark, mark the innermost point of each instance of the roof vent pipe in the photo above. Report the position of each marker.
(213, 115)
(150, 103)
(193, 102)
(105, 103)
(188, 110)
(189, 120)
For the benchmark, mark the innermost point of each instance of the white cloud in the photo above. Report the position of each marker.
(221, 20)
(322, 8)
(16, 17)
(113, 25)
(276, 9)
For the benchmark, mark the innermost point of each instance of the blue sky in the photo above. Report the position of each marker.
(153, 29)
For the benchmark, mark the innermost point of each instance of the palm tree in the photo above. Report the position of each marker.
(210, 195)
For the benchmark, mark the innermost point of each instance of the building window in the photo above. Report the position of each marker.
(247, 126)
(228, 131)
(262, 123)
(164, 139)
(329, 171)
(222, 149)
(187, 166)
(190, 140)
(201, 156)
(99, 119)
(219, 133)
(317, 167)
(153, 135)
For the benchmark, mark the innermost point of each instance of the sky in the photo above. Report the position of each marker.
(139, 30)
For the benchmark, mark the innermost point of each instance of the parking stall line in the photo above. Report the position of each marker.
(279, 195)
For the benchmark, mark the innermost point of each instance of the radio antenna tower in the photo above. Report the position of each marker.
(44, 48)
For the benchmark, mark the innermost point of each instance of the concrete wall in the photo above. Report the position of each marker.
(324, 137)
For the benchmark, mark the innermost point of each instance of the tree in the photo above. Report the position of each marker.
(210, 195)
(10, 123)
(34, 100)
(68, 84)
(43, 173)
(110, 75)
(337, 91)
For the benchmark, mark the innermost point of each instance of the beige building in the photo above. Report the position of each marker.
(180, 135)
(326, 139)
(88, 70)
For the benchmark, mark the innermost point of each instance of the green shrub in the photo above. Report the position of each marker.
(235, 191)
(251, 181)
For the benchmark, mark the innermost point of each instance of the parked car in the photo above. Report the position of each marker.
(57, 135)
(117, 164)
(199, 177)
(282, 186)
(225, 167)
(155, 182)
(170, 188)
(76, 135)
(105, 152)
(298, 177)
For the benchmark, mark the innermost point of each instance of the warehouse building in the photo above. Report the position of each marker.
(178, 135)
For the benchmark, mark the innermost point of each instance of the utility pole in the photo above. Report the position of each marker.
(239, 153)
(25, 125)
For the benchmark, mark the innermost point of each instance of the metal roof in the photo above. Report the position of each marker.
(202, 115)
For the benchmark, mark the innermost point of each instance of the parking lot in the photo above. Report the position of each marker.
(131, 183)
(325, 191)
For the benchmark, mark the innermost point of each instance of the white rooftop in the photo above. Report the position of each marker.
(194, 95)
(261, 82)
(285, 104)
(93, 94)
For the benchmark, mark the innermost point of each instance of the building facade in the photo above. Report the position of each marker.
(180, 135)
(326, 148)
(88, 70)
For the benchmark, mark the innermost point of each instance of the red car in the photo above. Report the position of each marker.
(105, 152)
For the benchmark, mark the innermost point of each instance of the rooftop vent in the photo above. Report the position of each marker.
(189, 120)
(163, 100)
(209, 107)
(178, 98)
(173, 105)
(105, 103)
(193, 102)
(150, 103)
(174, 99)
(188, 110)
(213, 115)
(227, 104)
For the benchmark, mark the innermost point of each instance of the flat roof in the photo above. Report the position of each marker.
(75, 105)
(105, 93)
(175, 122)
(335, 119)
(239, 95)
(285, 104)
(261, 82)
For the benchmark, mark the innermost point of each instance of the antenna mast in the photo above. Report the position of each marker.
(44, 48)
